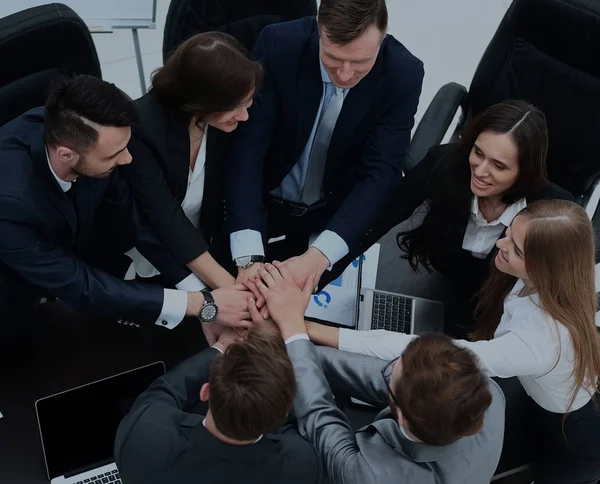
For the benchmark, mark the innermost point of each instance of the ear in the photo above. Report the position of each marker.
(67, 155)
(205, 392)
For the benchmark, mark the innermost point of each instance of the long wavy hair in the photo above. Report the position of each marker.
(450, 186)
(559, 258)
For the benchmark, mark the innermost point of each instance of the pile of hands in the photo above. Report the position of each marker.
(270, 298)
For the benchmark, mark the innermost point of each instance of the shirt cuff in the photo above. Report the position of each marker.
(218, 349)
(173, 308)
(191, 283)
(296, 337)
(246, 242)
(332, 246)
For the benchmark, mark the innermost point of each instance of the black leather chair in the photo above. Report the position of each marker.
(548, 53)
(36, 46)
(242, 19)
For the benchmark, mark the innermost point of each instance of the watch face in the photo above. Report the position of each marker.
(243, 261)
(208, 313)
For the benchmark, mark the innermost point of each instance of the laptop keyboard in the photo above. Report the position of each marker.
(391, 312)
(103, 478)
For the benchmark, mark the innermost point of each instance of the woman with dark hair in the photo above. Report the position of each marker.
(179, 148)
(469, 192)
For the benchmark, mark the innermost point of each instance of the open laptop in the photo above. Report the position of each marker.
(78, 426)
(396, 312)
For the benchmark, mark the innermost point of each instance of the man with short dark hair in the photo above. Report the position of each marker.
(324, 147)
(57, 168)
(444, 421)
(250, 391)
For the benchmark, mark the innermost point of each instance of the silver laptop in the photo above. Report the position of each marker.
(396, 312)
(78, 426)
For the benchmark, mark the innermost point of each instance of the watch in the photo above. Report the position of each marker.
(247, 260)
(209, 310)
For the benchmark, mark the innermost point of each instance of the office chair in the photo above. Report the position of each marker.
(242, 19)
(36, 46)
(545, 52)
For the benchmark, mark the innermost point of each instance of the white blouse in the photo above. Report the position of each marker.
(481, 235)
(191, 205)
(527, 344)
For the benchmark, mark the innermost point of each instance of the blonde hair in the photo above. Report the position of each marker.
(560, 262)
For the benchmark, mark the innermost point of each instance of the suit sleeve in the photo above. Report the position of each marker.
(244, 174)
(381, 171)
(156, 202)
(322, 423)
(119, 195)
(67, 277)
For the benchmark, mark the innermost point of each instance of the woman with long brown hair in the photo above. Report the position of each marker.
(535, 321)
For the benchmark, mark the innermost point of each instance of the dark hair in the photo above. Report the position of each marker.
(450, 202)
(207, 74)
(442, 391)
(252, 386)
(73, 99)
(346, 20)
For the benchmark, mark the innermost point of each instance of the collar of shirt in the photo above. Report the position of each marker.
(505, 219)
(64, 185)
(204, 423)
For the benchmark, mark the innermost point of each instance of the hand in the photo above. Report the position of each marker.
(227, 336)
(212, 331)
(248, 274)
(259, 321)
(311, 262)
(251, 286)
(286, 302)
(233, 306)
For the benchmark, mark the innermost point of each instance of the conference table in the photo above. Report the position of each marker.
(80, 349)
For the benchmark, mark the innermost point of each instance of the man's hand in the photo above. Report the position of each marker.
(233, 306)
(212, 331)
(311, 262)
(227, 336)
(259, 321)
(286, 302)
(248, 274)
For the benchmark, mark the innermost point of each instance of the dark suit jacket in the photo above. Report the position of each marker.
(158, 176)
(42, 233)
(161, 442)
(366, 153)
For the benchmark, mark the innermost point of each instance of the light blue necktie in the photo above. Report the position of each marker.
(313, 183)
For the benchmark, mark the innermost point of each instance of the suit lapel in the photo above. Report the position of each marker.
(178, 150)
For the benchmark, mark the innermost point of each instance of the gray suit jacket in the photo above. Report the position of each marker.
(379, 453)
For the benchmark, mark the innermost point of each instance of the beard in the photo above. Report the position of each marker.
(81, 169)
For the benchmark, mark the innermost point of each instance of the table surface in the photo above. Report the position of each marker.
(82, 349)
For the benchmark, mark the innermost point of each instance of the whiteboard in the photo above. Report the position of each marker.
(97, 14)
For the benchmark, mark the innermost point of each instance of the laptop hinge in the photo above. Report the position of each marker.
(81, 470)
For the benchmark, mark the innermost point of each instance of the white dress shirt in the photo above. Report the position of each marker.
(249, 242)
(481, 236)
(527, 344)
(174, 301)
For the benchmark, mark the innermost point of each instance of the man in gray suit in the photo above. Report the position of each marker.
(444, 422)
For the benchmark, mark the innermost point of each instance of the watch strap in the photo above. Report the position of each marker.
(208, 297)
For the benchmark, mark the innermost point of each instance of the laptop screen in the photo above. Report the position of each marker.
(78, 427)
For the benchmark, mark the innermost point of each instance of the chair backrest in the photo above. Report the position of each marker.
(547, 52)
(243, 19)
(36, 46)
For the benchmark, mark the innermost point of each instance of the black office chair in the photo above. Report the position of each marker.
(36, 46)
(546, 52)
(242, 19)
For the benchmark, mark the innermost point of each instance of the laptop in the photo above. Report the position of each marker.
(396, 312)
(78, 426)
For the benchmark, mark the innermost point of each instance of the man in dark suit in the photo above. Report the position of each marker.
(323, 150)
(249, 390)
(57, 167)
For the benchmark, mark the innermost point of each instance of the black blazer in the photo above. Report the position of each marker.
(160, 441)
(451, 259)
(158, 176)
(42, 233)
(366, 154)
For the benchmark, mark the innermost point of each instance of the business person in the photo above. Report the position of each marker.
(58, 166)
(536, 321)
(445, 420)
(249, 390)
(203, 91)
(468, 193)
(324, 147)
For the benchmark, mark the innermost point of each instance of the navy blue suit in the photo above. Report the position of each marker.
(366, 153)
(42, 235)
